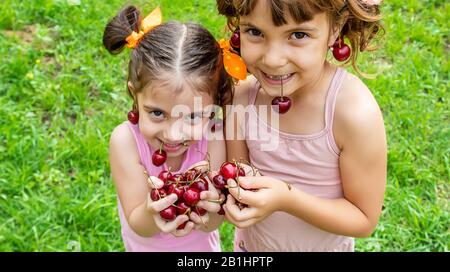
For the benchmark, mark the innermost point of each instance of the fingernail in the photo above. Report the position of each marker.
(232, 182)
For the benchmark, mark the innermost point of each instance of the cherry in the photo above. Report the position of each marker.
(169, 213)
(179, 178)
(191, 196)
(219, 182)
(221, 211)
(166, 176)
(229, 170)
(200, 184)
(191, 174)
(157, 194)
(159, 157)
(281, 104)
(182, 226)
(182, 207)
(341, 51)
(174, 189)
(200, 211)
(235, 40)
(133, 117)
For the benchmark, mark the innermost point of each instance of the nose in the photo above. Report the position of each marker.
(174, 132)
(274, 57)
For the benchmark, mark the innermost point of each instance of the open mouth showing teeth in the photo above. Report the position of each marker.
(172, 145)
(278, 77)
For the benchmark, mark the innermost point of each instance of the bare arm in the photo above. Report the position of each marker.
(362, 163)
(235, 141)
(130, 182)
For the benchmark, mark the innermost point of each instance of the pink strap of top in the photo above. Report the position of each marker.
(330, 104)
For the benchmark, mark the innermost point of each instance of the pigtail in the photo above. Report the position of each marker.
(119, 28)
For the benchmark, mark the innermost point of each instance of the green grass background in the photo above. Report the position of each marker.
(61, 94)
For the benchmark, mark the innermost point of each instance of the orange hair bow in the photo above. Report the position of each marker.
(152, 20)
(234, 65)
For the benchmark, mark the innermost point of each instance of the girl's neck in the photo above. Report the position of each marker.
(175, 163)
(321, 82)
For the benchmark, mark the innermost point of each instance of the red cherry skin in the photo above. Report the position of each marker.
(133, 117)
(221, 211)
(228, 170)
(154, 194)
(182, 207)
(341, 53)
(182, 226)
(159, 157)
(281, 104)
(174, 189)
(191, 196)
(169, 213)
(219, 182)
(166, 176)
(235, 40)
(200, 211)
(200, 184)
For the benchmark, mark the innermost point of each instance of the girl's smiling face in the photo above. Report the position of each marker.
(173, 114)
(293, 54)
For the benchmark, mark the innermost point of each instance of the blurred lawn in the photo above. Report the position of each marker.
(61, 94)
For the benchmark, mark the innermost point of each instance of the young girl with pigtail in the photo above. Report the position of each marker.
(176, 75)
(323, 178)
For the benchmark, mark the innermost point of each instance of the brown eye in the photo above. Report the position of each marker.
(157, 114)
(298, 35)
(254, 32)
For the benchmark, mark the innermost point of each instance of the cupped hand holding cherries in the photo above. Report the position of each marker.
(178, 196)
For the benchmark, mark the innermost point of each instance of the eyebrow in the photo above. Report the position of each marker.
(294, 29)
(151, 108)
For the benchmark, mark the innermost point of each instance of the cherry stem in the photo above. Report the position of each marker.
(238, 167)
(150, 179)
(160, 148)
(282, 88)
(208, 158)
(254, 170)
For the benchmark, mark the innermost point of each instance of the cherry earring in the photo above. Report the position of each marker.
(281, 104)
(341, 51)
(133, 117)
(235, 40)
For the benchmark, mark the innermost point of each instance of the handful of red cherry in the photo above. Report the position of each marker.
(188, 186)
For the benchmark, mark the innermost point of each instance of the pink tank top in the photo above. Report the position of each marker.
(197, 241)
(308, 162)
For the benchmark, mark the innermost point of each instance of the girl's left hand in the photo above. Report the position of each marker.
(263, 195)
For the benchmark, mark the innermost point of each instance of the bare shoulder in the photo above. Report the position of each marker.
(357, 112)
(122, 140)
(242, 90)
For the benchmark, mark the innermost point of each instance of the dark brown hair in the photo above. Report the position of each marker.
(184, 50)
(362, 23)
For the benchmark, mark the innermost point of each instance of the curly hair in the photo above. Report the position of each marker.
(360, 23)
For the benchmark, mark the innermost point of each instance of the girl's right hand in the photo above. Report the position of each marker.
(154, 207)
